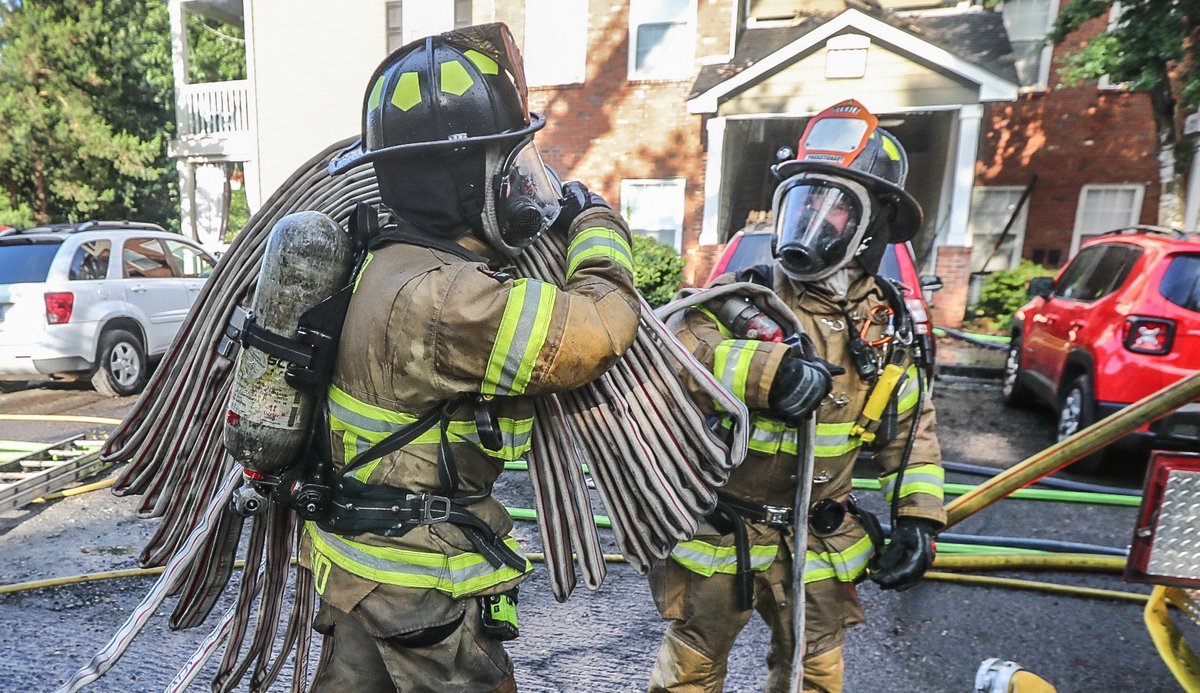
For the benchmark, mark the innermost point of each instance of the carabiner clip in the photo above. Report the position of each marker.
(888, 332)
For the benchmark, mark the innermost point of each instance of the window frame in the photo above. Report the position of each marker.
(125, 247)
(461, 12)
(639, 15)
(1019, 236)
(177, 266)
(1047, 51)
(1077, 234)
(80, 249)
(678, 182)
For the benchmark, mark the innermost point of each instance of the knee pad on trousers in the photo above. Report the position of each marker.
(825, 672)
(682, 667)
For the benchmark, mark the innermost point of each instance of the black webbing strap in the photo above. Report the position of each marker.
(291, 350)
(726, 520)
(402, 437)
(359, 508)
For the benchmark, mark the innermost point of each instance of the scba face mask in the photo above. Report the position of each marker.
(523, 199)
(820, 224)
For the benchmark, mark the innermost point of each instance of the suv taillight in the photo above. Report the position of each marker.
(1148, 335)
(59, 306)
(1164, 550)
(919, 315)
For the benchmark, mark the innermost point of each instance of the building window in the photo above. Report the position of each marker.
(1106, 207)
(409, 20)
(661, 39)
(1028, 22)
(991, 209)
(846, 56)
(654, 208)
(555, 42)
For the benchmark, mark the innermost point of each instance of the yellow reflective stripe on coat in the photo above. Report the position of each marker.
(835, 439)
(364, 424)
(769, 436)
(457, 576)
(598, 241)
(713, 316)
(907, 392)
(707, 559)
(845, 565)
(731, 364)
(918, 478)
(521, 337)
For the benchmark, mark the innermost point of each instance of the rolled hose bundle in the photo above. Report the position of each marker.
(650, 453)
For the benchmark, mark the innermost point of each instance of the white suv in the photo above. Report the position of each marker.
(95, 299)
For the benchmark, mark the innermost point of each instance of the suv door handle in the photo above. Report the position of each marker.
(137, 288)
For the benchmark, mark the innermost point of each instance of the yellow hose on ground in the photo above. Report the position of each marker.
(63, 418)
(1167, 638)
(78, 490)
(1036, 585)
(1045, 561)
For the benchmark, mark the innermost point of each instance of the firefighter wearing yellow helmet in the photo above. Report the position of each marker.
(439, 354)
(837, 206)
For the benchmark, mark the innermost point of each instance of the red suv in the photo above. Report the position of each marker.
(752, 246)
(1119, 322)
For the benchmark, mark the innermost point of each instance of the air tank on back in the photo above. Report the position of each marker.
(308, 258)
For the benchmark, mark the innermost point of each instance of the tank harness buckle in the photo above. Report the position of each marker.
(434, 509)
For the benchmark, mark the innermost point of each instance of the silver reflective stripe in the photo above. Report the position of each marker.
(530, 307)
(360, 421)
(725, 563)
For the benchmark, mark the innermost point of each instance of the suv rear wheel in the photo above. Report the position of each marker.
(120, 364)
(1077, 411)
(1012, 392)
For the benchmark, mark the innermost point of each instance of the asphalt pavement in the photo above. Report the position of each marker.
(929, 638)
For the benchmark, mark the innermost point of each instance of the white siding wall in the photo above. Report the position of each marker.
(311, 62)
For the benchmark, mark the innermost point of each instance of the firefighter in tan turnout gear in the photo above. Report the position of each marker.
(415, 569)
(837, 206)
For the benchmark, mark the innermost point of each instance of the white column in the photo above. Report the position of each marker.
(709, 233)
(965, 153)
(179, 49)
(187, 198)
(1191, 212)
(251, 169)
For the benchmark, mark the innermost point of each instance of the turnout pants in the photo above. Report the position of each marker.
(705, 621)
(370, 651)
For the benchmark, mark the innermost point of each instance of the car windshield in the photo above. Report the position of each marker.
(1181, 282)
(26, 262)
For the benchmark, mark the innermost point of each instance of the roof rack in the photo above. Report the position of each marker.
(94, 225)
(1147, 228)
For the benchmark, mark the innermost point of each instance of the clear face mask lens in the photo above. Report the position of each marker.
(529, 196)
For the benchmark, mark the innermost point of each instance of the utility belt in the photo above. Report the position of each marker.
(824, 517)
(360, 508)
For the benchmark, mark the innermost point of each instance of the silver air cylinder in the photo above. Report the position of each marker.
(308, 258)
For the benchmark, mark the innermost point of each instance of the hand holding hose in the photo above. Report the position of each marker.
(907, 556)
(576, 198)
(799, 386)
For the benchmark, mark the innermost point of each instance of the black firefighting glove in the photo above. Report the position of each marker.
(799, 386)
(576, 198)
(907, 556)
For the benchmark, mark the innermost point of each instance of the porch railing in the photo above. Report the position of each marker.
(214, 108)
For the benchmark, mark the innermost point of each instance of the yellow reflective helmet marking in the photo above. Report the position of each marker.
(408, 91)
(889, 147)
(455, 78)
(376, 94)
(485, 64)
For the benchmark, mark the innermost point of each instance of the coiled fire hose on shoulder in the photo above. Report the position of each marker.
(652, 457)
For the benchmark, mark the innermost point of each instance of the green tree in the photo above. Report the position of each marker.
(86, 109)
(1004, 292)
(657, 270)
(216, 51)
(1152, 47)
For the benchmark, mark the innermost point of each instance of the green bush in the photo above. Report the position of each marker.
(1004, 292)
(657, 270)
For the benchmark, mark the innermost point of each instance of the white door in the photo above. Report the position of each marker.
(154, 290)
